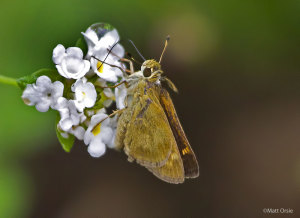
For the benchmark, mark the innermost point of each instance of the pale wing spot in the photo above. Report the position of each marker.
(186, 150)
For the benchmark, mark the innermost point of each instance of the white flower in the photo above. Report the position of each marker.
(85, 94)
(70, 63)
(105, 71)
(43, 94)
(120, 93)
(98, 45)
(98, 135)
(69, 115)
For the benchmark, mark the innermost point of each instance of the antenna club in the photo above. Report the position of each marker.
(166, 44)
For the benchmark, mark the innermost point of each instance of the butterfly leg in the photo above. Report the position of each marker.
(111, 87)
(112, 114)
(130, 64)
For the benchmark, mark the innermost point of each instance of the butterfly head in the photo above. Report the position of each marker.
(150, 67)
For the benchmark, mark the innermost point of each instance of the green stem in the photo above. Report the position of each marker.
(8, 80)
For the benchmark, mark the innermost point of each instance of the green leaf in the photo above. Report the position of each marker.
(66, 143)
(82, 45)
(51, 73)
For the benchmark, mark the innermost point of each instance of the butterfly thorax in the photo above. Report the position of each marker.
(140, 81)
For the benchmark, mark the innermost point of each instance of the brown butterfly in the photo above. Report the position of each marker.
(149, 130)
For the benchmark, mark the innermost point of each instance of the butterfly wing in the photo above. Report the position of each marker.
(172, 171)
(190, 163)
(143, 129)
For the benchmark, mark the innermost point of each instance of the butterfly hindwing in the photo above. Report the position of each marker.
(172, 171)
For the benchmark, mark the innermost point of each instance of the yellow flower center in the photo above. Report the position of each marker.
(96, 129)
(100, 67)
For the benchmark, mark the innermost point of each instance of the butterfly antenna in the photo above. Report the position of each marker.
(166, 44)
(137, 49)
(109, 51)
(112, 65)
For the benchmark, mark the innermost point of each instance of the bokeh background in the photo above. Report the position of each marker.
(236, 64)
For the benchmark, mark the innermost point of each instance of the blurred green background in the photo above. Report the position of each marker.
(236, 64)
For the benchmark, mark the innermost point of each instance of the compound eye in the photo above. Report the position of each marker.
(147, 72)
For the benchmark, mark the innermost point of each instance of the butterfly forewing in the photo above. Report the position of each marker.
(144, 129)
(190, 163)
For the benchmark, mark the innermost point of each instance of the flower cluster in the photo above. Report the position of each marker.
(82, 93)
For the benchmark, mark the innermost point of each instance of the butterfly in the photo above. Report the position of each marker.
(149, 130)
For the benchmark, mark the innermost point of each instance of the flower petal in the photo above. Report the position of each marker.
(119, 51)
(61, 71)
(111, 142)
(78, 132)
(30, 96)
(78, 82)
(58, 53)
(43, 106)
(106, 134)
(65, 124)
(96, 148)
(75, 51)
(58, 89)
(43, 81)
(87, 66)
(110, 38)
(120, 93)
(91, 37)
(62, 103)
